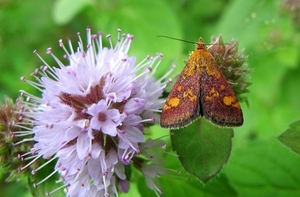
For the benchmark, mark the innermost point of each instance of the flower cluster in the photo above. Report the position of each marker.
(91, 116)
(293, 7)
(232, 64)
(10, 136)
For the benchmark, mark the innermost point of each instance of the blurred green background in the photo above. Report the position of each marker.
(268, 30)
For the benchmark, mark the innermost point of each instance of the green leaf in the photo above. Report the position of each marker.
(291, 137)
(203, 148)
(264, 168)
(65, 10)
(179, 186)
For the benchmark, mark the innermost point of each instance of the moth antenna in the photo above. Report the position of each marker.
(162, 36)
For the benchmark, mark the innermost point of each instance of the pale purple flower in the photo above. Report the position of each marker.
(103, 119)
(91, 116)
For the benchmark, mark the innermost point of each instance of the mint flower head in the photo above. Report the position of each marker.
(91, 116)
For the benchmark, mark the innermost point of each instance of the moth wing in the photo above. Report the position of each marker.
(182, 105)
(219, 103)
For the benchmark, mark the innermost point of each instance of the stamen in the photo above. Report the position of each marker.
(95, 47)
(22, 141)
(140, 75)
(88, 33)
(44, 62)
(70, 45)
(20, 125)
(55, 190)
(45, 71)
(160, 56)
(61, 44)
(22, 133)
(31, 162)
(114, 189)
(157, 191)
(25, 154)
(33, 84)
(167, 74)
(142, 64)
(119, 41)
(60, 64)
(126, 43)
(40, 167)
(105, 185)
(80, 43)
(127, 155)
(119, 34)
(47, 177)
(148, 120)
(109, 39)
(99, 42)
(160, 89)
(31, 97)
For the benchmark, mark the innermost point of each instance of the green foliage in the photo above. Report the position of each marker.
(291, 137)
(259, 165)
(264, 168)
(183, 187)
(203, 148)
